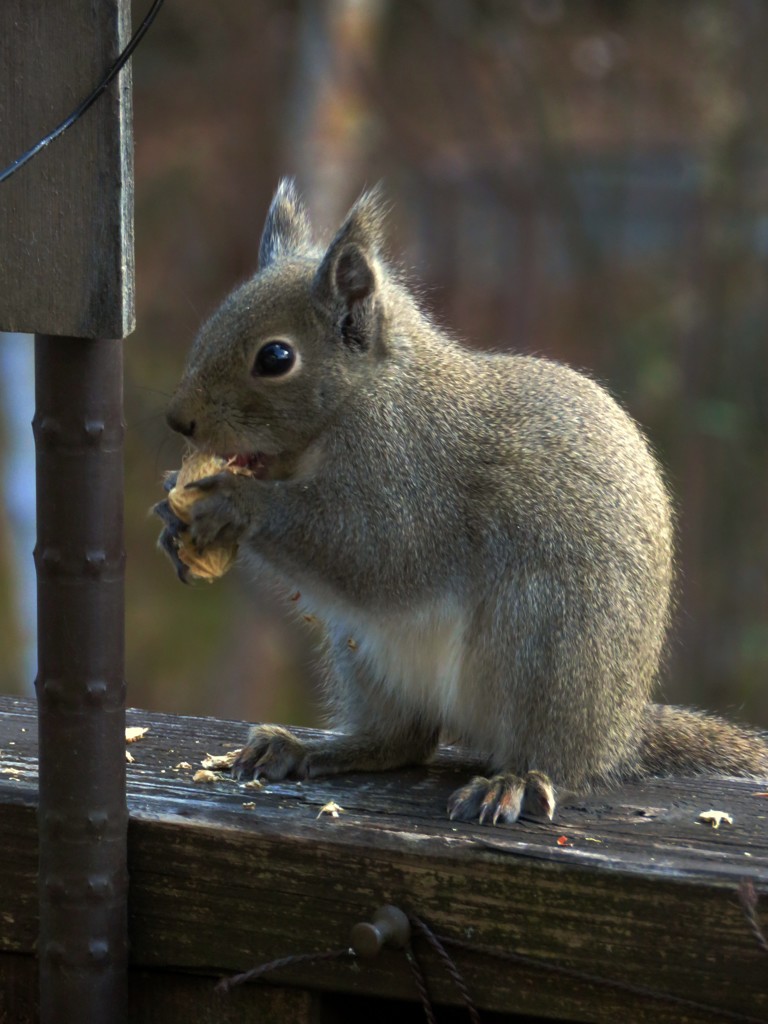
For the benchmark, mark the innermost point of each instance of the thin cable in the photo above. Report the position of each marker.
(450, 966)
(89, 100)
(227, 984)
(748, 898)
(421, 984)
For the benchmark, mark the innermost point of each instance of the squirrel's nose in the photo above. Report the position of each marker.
(181, 424)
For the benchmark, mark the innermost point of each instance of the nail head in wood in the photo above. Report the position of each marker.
(390, 927)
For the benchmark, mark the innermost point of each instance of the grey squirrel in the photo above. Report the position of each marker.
(486, 537)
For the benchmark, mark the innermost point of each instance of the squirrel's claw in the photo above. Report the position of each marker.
(539, 800)
(172, 522)
(502, 799)
(168, 540)
(169, 481)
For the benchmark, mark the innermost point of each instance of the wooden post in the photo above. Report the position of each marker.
(66, 273)
(66, 219)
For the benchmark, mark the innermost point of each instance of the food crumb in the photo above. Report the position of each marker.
(135, 732)
(716, 818)
(220, 762)
(202, 775)
(331, 808)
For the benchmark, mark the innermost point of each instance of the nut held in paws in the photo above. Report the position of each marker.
(195, 466)
(215, 561)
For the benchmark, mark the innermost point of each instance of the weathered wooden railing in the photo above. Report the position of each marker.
(626, 886)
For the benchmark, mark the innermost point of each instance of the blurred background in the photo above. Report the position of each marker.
(583, 180)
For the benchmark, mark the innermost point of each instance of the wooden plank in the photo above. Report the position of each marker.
(18, 989)
(66, 218)
(640, 892)
(165, 998)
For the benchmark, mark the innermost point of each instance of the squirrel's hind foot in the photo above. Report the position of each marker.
(270, 753)
(502, 799)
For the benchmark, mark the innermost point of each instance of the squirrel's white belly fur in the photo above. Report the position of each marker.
(417, 655)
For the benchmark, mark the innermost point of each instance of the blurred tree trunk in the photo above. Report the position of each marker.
(725, 629)
(332, 127)
(326, 145)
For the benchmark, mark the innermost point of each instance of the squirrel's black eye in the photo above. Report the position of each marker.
(274, 359)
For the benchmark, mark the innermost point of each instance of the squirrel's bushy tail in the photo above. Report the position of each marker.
(678, 741)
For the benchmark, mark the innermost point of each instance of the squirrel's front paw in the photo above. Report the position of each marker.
(171, 536)
(501, 799)
(222, 514)
(270, 753)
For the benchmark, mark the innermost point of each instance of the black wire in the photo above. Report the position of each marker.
(78, 112)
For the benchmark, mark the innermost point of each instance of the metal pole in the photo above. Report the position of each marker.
(79, 558)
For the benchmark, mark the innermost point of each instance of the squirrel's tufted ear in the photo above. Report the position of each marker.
(347, 273)
(287, 230)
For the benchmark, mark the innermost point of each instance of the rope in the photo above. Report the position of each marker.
(450, 966)
(90, 99)
(227, 984)
(748, 898)
(421, 984)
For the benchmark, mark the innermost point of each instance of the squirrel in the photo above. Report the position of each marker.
(486, 537)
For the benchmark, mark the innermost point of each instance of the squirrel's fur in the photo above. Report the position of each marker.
(486, 537)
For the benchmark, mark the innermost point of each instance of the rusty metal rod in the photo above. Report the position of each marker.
(79, 558)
